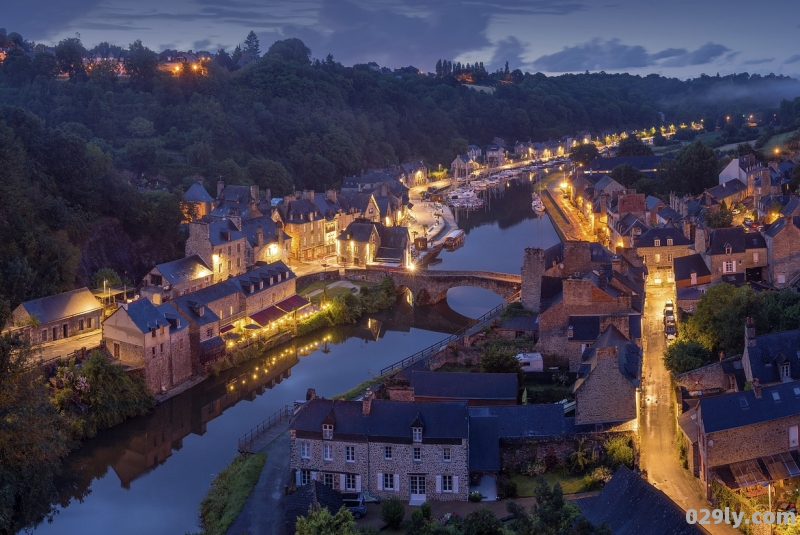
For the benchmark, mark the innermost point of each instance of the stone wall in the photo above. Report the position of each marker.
(711, 376)
(783, 255)
(749, 442)
(181, 349)
(554, 451)
(605, 395)
(532, 271)
(261, 299)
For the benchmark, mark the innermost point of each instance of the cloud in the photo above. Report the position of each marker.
(105, 26)
(614, 55)
(793, 59)
(757, 61)
(202, 44)
(44, 20)
(703, 55)
(510, 50)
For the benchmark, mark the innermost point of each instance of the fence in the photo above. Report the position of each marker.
(247, 439)
(441, 344)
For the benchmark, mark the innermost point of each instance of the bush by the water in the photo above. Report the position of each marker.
(228, 493)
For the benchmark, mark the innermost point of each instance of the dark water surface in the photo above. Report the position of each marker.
(148, 475)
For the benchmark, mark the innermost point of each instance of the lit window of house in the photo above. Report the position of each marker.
(669, 241)
(658, 258)
(657, 242)
(755, 260)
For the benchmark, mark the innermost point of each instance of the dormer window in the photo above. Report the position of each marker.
(657, 242)
(728, 249)
(416, 434)
(327, 431)
(669, 241)
(785, 368)
(261, 285)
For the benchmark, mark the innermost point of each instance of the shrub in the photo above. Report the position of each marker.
(426, 511)
(533, 468)
(619, 451)
(482, 522)
(393, 512)
(506, 488)
(475, 496)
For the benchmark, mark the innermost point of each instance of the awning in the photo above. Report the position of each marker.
(293, 303)
(279, 310)
(759, 470)
(225, 329)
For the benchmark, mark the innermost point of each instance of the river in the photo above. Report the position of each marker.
(149, 474)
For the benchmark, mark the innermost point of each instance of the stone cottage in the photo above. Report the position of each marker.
(58, 316)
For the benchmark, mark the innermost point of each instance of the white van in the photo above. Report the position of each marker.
(531, 362)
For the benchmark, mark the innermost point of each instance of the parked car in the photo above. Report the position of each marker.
(746, 222)
(735, 211)
(354, 501)
(669, 311)
(670, 330)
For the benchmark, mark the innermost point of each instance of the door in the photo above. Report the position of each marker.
(116, 351)
(65, 330)
(417, 489)
(55, 333)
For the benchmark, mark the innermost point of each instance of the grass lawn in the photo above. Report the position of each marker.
(777, 141)
(569, 484)
(229, 490)
(313, 285)
(336, 291)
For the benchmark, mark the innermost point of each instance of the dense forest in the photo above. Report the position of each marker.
(92, 163)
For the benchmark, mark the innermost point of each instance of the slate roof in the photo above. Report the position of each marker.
(727, 189)
(585, 328)
(270, 230)
(298, 210)
(315, 494)
(464, 386)
(667, 213)
(60, 306)
(635, 325)
(772, 350)
(628, 222)
(607, 182)
(684, 265)
(630, 505)
(779, 224)
(642, 163)
(184, 269)
(218, 228)
(739, 409)
(358, 231)
(262, 271)
(521, 323)
(197, 193)
(737, 238)
(628, 354)
(171, 314)
(598, 253)
(360, 201)
(484, 443)
(647, 238)
(515, 421)
(394, 237)
(145, 315)
(389, 419)
(651, 202)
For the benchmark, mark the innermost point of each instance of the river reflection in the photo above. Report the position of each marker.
(148, 475)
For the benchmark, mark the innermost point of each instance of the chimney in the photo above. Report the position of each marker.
(308, 194)
(366, 403)
(311, 394)
(700, 240)
(401, 393)
(279, 232)
(220, 187)
(616, 263)
(750, 333)
(254, 197)
(757, 387)
(259, 236)
(331, 194)
(532, 271)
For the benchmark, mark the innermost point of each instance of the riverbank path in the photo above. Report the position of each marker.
(568, 218)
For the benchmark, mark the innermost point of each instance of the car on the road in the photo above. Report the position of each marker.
(670, 330)
(746, 222)
(669, 311)
(355, 503)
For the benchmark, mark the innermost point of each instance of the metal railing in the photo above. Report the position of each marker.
(441, 344)
(246, 440)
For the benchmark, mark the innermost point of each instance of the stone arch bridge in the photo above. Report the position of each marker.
(430, 287)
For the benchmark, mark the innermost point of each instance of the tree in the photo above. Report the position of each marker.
(271, 175)
(33, 438)
(236, 56)
(291, 50)
(720, 316)
(251, 45)
(722, 218)
(320, 521)
(619, 451)
(693, 170)
(685, 355)
(659, 140)
(225, 60)
(142, 63)
(141, 127)
(482, 522)
(633, 146)
(105, 278)
(69, 56)
(627, 175)
(584, 153)
(392, 512)
(141, 153)
(710, 124)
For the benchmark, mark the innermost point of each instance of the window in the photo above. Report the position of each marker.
(152, 333)
(446, 454)
(229, 250)
(387, 453)
(238, 247)
(229, 265)
(388, 481)
(416, 433)
(350, 482)
(728, 249)
(658, 258)
(793, 436)
(785, 371)
(327, 431)
(729, 267)
(669, 241)
(238, 262)
(89, 323)
(162, 347)
(305, 477)
(304, 450)
(657, 242)
(350, 454)
(327, 480)
(327, 452)
(447, 483)
(44, 335)
(669, 257)
(219, 268)
(153, 350)
(417, 453)
(755, 258)
(80, 325)
(210, 332)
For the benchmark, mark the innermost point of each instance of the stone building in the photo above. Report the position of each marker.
(495, 155)
(364, 242)
(607, 387)
(153, 339)
(413, 451)
(265, 240)
(462, 166)
(58, 316)
(746, 439)
(658, 248)
(414, 173)
(239, 201)
(692, 278)
(196, 203)
(747, 170)
(771, 358)
(220, 245)
(783, 253)
(205, 340)
(733, 254)
(176, 278)
(303, 221)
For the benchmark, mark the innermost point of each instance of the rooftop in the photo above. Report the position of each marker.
(739, 409)
(464, 386)
(63, 305)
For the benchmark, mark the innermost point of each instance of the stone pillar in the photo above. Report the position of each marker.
(532, 270)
